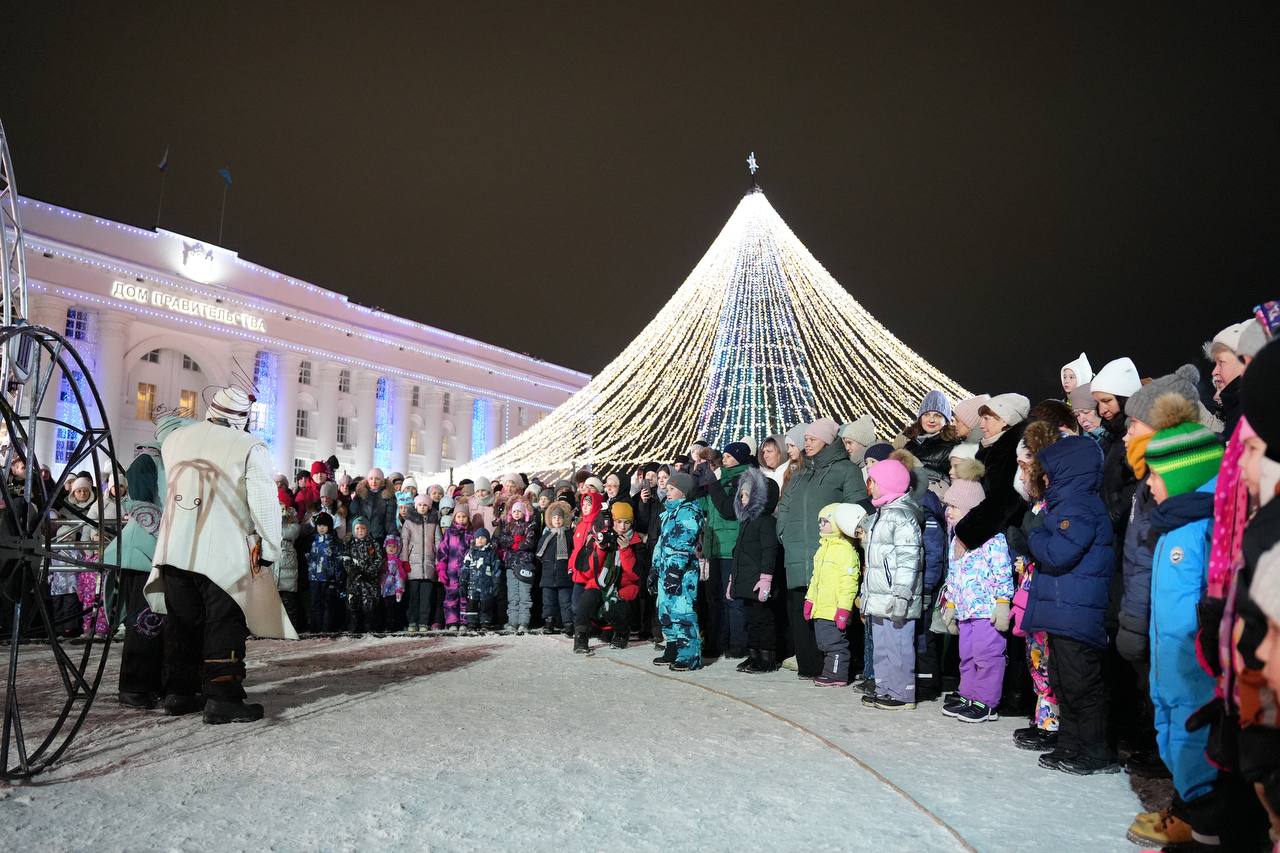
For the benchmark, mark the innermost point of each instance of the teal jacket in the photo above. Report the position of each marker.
(720, 534)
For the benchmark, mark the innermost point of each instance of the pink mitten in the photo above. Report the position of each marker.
(763, 587)
(842, 619)
(808, 610)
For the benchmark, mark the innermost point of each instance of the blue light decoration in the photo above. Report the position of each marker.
(479, 430)
(65, 439)
(266, 370)
(383, 421)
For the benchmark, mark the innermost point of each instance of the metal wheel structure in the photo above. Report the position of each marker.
(53, 665)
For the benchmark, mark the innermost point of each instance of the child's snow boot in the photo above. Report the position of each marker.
(581, 644)
(620, 641)
(667, 657)
(522, 629)
(1035, 739)
(1157, 829)
(752, 660)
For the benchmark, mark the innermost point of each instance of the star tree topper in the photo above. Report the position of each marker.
(752, 166)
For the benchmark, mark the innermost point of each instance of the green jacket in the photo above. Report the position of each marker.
(720, 534)
(828, 478)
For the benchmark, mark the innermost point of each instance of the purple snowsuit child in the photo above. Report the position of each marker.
(454, 544)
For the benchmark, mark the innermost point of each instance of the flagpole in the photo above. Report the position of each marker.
(164, 175)
(223, 218)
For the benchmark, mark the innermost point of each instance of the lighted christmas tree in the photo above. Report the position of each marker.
(759, 338)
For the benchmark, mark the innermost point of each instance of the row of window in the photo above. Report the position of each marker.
(304, 420)
(344, 385)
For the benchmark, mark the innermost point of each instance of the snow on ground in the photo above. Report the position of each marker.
(495, 743)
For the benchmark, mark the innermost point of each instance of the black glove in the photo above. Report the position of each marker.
(1209, 614)
(653, 583)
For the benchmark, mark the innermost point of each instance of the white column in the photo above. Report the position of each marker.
(364, 387)
(493, 426)
(460, 412)
(432, 417)
(51, 312)
(112, 331)
(286, 413)
(325, 376)
(402, 396)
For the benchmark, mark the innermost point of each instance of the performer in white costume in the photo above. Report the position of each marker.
(219, 534)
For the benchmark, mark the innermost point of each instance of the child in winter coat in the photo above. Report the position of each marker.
(420, 529)
(1183, 459)
(517, 537)
(590, 505)
(978, 595)
(754, 559)
(392, 583)
(553, 552)
(829, 599)
(481, 574)
(673, 575)
(451, 550)
(612, 579)
(286, 568)
(892, 593)
(365, 561)
(1074, 553)
(324, 569)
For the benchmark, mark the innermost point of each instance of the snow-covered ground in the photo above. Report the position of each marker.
(502, 743)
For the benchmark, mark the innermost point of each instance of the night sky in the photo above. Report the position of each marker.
(1001, 187)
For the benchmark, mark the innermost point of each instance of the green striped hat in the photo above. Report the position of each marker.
(1186, 456)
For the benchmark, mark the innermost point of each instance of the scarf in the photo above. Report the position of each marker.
(1136, 453)
(886, 498)
(987, 442)
(562, 547)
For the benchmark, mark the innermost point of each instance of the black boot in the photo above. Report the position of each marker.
(581, 644)
(220, 711)
(620, 641)
(568, 630)
(667, 657)
(752, 661)
(175, 705)
(766, 661)
(143, 701)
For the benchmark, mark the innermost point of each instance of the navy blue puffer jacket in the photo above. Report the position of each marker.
(1074, 549)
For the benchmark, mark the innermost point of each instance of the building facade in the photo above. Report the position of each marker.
(161, 318)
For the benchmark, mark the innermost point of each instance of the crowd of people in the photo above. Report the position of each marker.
(1102, 563)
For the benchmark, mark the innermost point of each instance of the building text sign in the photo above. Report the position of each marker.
(167, 301)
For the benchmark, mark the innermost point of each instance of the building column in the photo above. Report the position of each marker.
(402, 396)
(493, 426)
(460, 412)
(364, 388)
(112, 332)
(326, 406)
(51, 312)
(433, 418)
(286, 413)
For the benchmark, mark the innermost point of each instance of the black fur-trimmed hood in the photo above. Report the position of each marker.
(763, 495)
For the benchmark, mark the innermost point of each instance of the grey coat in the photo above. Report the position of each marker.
(893, 572)
(286, 569)
(827, 478)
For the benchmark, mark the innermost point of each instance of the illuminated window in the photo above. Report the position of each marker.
(301, 464)
(189, 363)
(524, 415)
(344, 381)
(302, 428)
(146, 401)
(77, 324)
(152, 357)
(344, 431)
(445, 447)
(187, 403)
(304, 373)
(447, 402)
(416, 396)
(413, 441)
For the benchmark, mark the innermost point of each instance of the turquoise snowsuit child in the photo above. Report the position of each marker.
(675, 577)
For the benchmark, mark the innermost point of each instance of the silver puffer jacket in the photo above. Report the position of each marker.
(893, 576)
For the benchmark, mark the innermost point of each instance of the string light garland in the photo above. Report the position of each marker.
(760, 337)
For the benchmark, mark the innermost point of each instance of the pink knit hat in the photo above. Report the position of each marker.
(966, 411)
(963, 494)
(823, 429)
(893, 479)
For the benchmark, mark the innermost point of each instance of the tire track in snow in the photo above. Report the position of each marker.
(875, 774)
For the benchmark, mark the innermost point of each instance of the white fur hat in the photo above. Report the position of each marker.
(1119, 378)
(965, 450)
(1265, 589)
(1082, 369)
(231, 405)
(1228, 337)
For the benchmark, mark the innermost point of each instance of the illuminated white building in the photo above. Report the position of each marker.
(160, 317)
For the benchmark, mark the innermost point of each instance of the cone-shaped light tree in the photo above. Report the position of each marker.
(759, 338)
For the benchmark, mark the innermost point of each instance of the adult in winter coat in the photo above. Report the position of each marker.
(1112, 387)
(932, 436)
(1001, 419)
(419, 532)
(220, 509)
(726, 629)
(674, 576)
(307, 498)
(893, 583)
(451, 550)
(141, 670)
(755, 558)
(827, 477)
(286, 568)
(1074, 553)
(376, 503)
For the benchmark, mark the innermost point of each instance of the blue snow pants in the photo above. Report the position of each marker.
(677, 591)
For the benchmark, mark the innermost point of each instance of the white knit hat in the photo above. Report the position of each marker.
(231, 405)
(596, 483)
(862, 431)
(1082, 369)
(1119, 378)
(1265, 588)
(1010, 408)
(82, 483)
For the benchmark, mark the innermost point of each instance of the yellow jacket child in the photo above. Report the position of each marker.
(829, 601)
